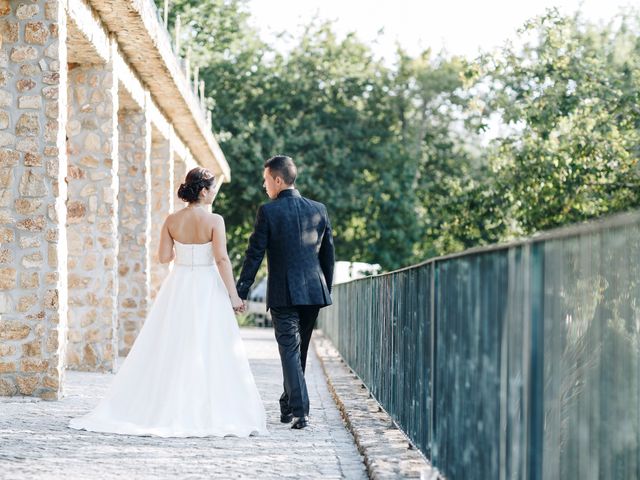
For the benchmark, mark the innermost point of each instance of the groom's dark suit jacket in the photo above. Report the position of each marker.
(296, 235)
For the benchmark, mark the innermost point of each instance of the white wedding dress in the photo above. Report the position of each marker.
(187, 375)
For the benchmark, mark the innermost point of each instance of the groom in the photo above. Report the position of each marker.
(296, 235)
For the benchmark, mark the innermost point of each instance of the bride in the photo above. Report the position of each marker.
(187, 375)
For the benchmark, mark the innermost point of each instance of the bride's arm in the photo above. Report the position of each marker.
(165, 249)
(222, 260)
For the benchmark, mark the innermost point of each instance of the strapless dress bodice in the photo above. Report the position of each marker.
(194, 254)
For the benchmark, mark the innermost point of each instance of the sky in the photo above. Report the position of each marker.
(461, 27)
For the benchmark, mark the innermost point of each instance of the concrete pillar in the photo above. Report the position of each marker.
(92, 217)
(33, 292)
(134, 205)
(161, 199)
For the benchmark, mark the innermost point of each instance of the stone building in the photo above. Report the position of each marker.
(99, 121)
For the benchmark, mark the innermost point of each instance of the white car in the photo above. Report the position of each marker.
(257, 304)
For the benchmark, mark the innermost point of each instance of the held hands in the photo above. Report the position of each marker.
(239, 305)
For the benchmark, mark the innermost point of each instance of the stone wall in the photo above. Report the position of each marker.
(161, 199)
(32, 191)
(77, 231)
(134, 275)
(92, 217)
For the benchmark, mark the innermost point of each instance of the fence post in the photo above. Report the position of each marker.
(432, 347)
(536, 376)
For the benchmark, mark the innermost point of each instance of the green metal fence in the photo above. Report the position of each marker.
(519, 361)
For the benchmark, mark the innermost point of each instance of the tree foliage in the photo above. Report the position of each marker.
(399, 154)
(572, 95)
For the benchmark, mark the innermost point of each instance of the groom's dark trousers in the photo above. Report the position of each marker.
(295, 233)
(293, 327)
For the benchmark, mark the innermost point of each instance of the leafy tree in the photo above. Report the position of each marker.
(571, 95)
(326, 105)
(341, 127)
(397, 154)
(455, 206)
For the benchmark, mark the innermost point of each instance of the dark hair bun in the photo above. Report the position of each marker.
(188, 192)
(197, 179)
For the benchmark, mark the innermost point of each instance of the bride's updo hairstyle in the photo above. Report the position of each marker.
(197, 179)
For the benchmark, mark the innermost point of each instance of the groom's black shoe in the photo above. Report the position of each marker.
(299, 423)
(286, 417)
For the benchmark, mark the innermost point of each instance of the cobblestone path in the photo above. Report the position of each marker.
(35, 442)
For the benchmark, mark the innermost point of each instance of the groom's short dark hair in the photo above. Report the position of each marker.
(283, 167)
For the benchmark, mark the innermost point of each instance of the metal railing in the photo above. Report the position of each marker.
(517, 361)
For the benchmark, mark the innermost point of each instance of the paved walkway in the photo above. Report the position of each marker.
(35, 442)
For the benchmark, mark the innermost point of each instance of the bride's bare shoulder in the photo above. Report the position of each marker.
(170, 218)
